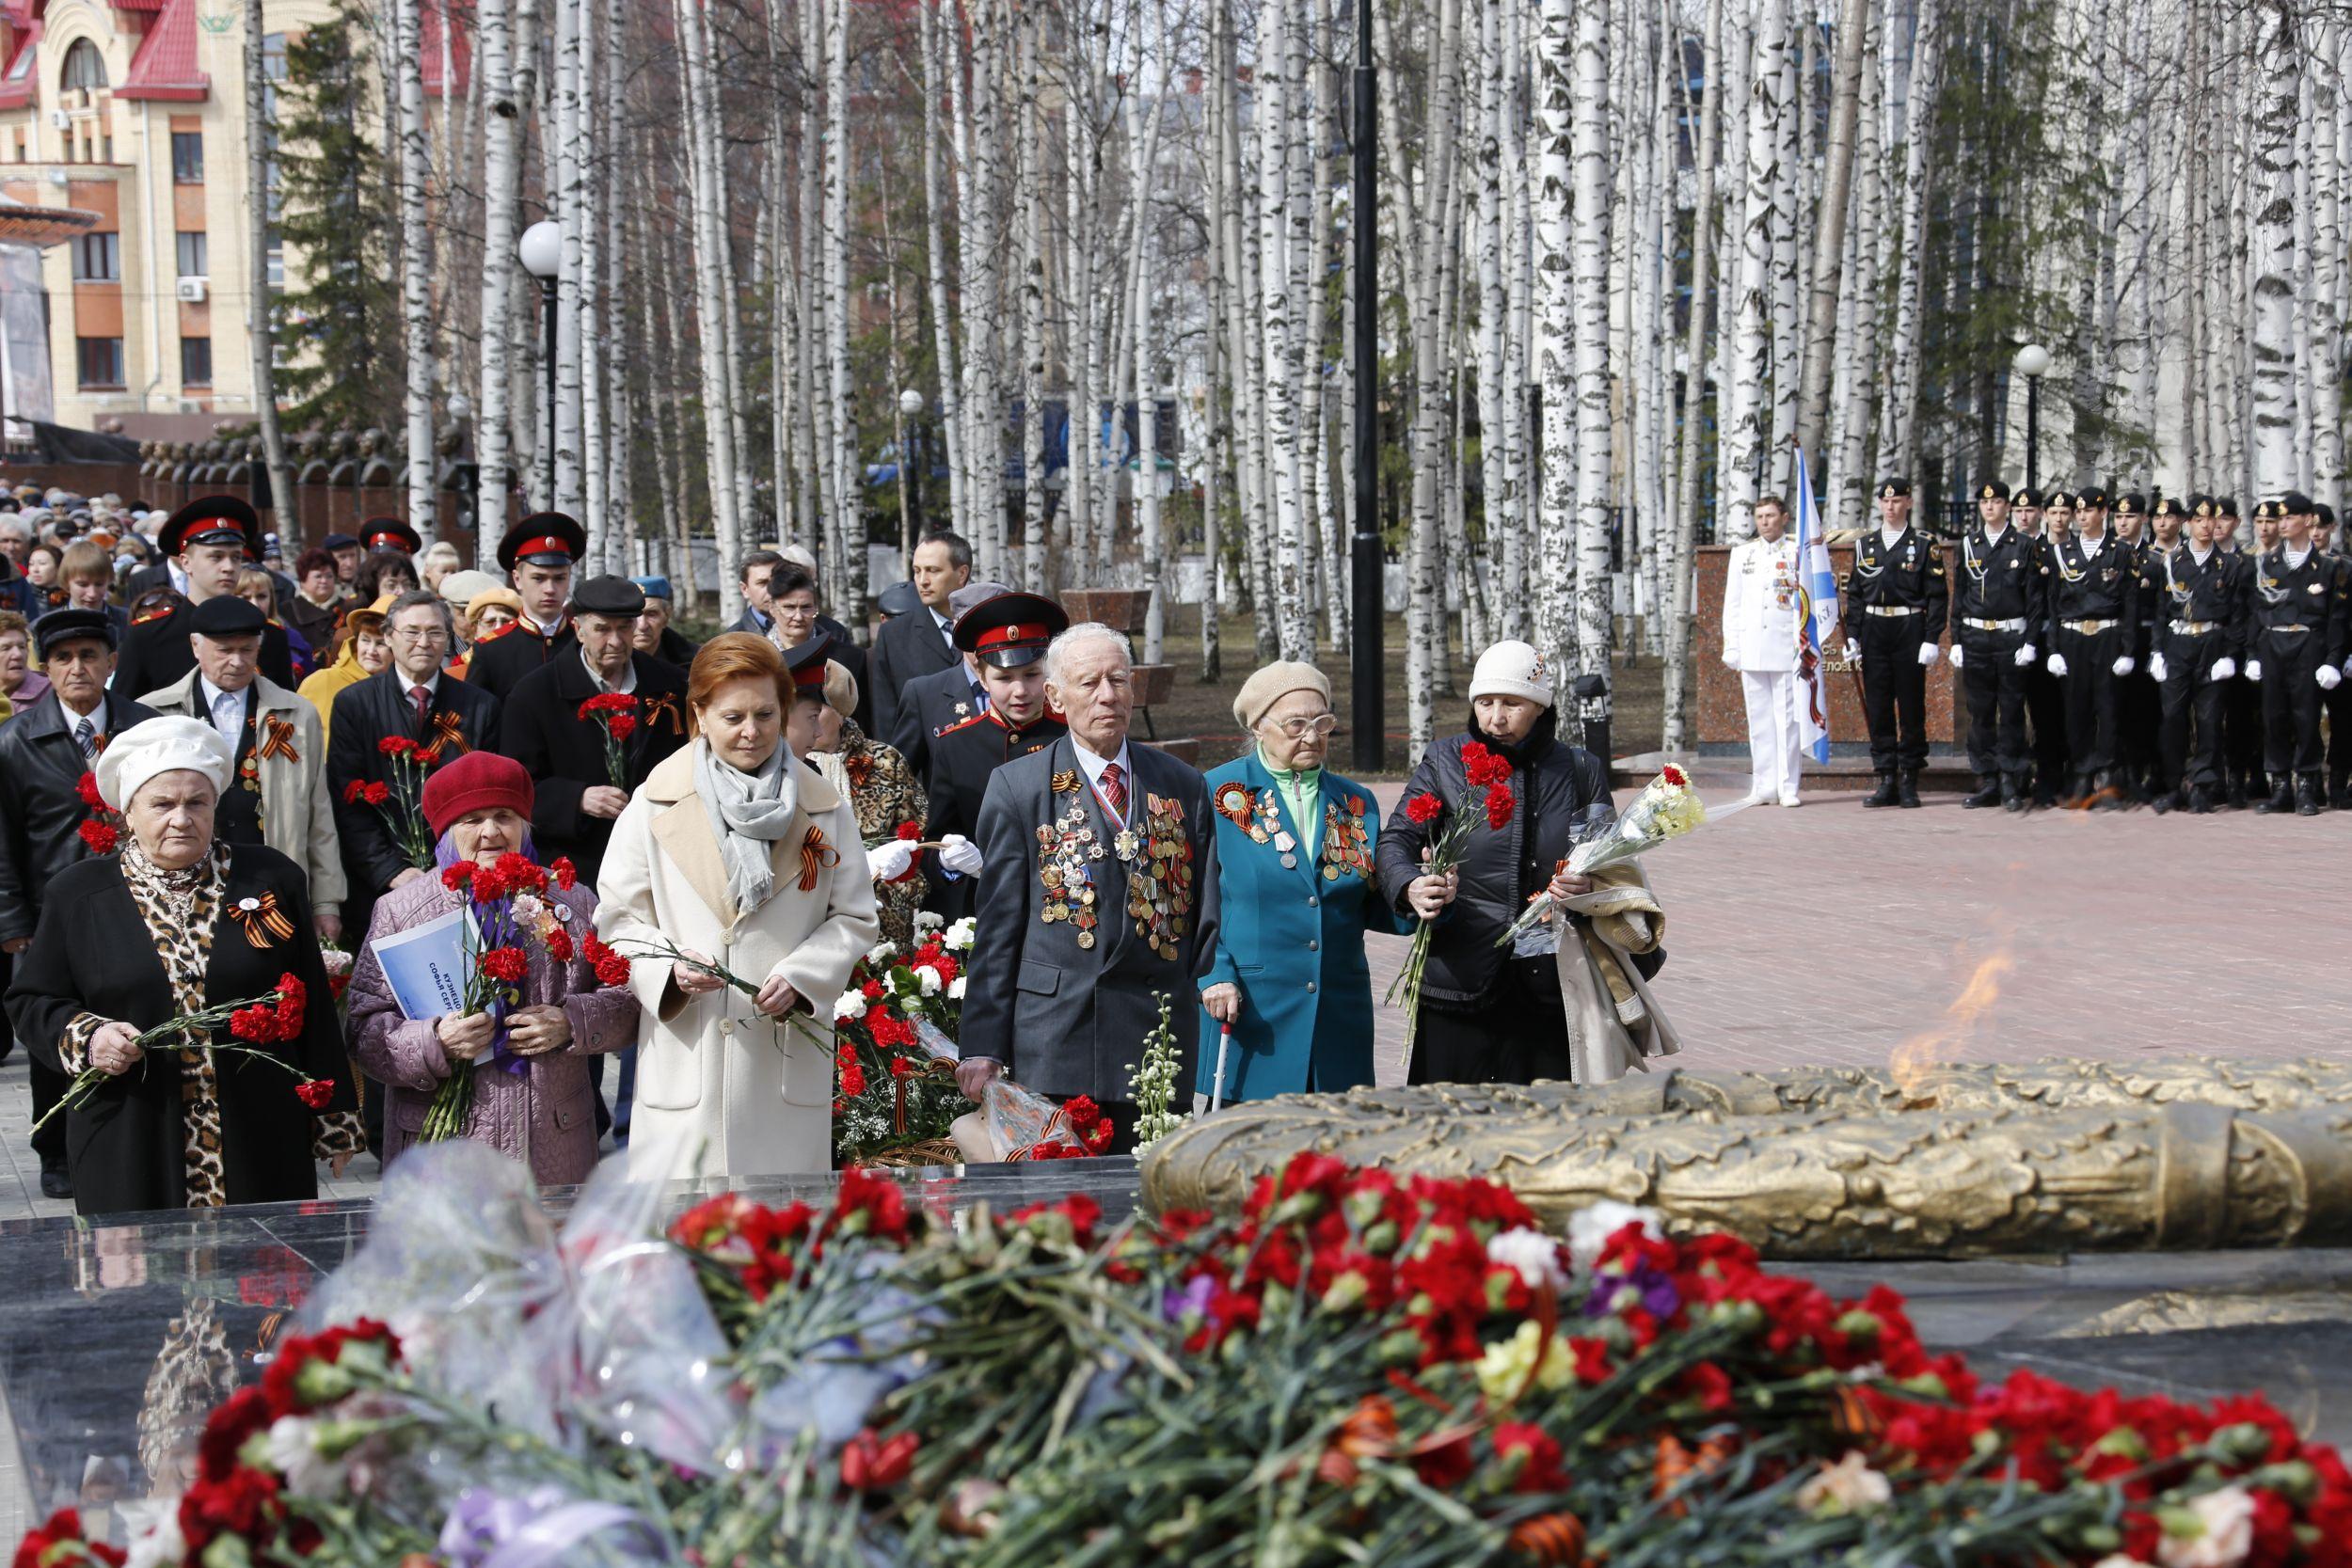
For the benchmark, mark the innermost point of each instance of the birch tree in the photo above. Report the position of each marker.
(2275, 266)
(261, 330)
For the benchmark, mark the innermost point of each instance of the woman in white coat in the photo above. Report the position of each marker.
(1760, 642)
(735, 851)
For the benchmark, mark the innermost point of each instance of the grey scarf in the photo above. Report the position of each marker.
(749, 812)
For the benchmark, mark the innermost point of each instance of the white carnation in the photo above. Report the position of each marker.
(293, 1453)
(955, 989)
(928, 978)
(155, 1538)
(875, 956)
(1849, 1486)
(2225, 1532)
(929, 920)
(959, 938)
(1589, 1229)
(528, 910)
(1534, 1255)
(851, 1004)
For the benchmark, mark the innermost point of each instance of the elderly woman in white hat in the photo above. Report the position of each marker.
(1493, 1014)
(176, 923)
(1288, 995)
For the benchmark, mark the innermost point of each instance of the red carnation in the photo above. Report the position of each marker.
(1539, 1453)
(508, 964)
(100, 837)
(560, 945)
(1424, 808)
(1499, 804)
(87, 788)
(317, 1093)
(1674, 776)
(566, 872)
(1081, 1111)
(871, 1463)
(853, 1080)
(355, 792)
(294, 999)
(620, 725)
(62, 1530)
(397, 746)
(458, 876)
(428, 756)
(378, 793)
(909, 831)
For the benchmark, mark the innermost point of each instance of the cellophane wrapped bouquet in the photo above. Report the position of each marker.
(1667, 808)
(895, 1028)
(1357, 1368)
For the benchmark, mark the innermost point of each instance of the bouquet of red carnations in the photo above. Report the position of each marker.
(401, 802)
(510, 909)
(616, 714)
(896, 1026)
(102, 831)
(1489, 799)
(270, 1018)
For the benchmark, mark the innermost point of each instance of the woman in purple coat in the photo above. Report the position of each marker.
(543, 1110)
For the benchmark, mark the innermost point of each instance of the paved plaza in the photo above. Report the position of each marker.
(1839, 935)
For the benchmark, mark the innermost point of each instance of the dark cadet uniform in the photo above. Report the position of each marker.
(2094, 622)
(1009, 631)
(2198, 610)
(1996, 611)
(2295, 616)
(2138, 703)
(501, 660)
(156, 652)
(2242, 707)
(1895, 599)
(2338, 702)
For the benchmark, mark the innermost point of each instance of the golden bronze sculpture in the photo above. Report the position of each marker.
(1848, 1163)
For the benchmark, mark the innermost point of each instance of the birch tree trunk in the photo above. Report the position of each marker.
(844, 558)
(1751, 353)
(416, 275)
(501, 192)
(1431, 453)
(1278, 87)
(935, 239)
(1829, 240)
(1896, 447)
(1143, 140)
(1029, 185)
(1555, 328)
(714, 301)
(2323, 340)
(260, 323)
(2272, 253)
(1681, 617)
(1594, 626)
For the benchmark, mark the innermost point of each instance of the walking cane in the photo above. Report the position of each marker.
(1216, 1090)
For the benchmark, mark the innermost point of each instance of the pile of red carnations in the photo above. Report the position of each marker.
(1360, 1368)
(895, 1027)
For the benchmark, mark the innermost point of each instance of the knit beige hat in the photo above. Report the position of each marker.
(1269, 685)
(1511, 669)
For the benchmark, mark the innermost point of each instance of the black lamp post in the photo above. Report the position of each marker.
(542, 252)
(1368, 694)
(2033, 363)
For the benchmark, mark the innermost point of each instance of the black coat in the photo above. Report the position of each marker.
(157, 576)
(365, 713)
(676, 649)
(542, 729)
(156, 653)
(1498, 869)
(929, 707)
(501, 660)
(92, 953)
(40, 809)
(908, 646)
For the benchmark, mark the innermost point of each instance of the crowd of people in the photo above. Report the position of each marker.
(2108, 655)
(219, 786)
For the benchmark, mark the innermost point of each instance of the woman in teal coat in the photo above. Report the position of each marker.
(1293, 845)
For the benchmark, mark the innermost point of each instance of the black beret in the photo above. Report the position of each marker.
(1890, 488)
(2326, 513)
(2296, 503)
(608, 596)
(2059, 501)
(2266, 510)
(1993, 490)
(2027, 496)
(2171, 506)
(64, 625)
(2133, 504)
(2091, 496)
(226, 615)
(2225, 506)
(338, 541)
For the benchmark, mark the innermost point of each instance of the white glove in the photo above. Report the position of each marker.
(1928, 652)
(2329, 679)
(2253, 670)
(2057, 665)
(1853, 649)
(2156, 667)
(888, 861)
(1730, 663)
(2027, 653)
(2125, 665)
(959, 855)
(2223, 669)
(1960, 656)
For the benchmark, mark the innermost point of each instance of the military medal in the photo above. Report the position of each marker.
(1345, 843)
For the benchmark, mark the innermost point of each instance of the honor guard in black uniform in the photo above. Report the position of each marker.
(2045, 706)
(2138, 703)
(1894, 603)
(390, 534)
(2093, 626)
(212, 536)
(2295, 613)
(538, 554)
(2242, 707)
(1998, 603)
(2339, 699)
(1007, 636)
(2194, 594)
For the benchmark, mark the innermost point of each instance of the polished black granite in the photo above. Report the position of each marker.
(116, 1337)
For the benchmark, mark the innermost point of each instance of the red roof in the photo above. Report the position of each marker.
(457, 16)
(164, 67)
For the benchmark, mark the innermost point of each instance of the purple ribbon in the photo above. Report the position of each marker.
(487, 1530)
(497, 927)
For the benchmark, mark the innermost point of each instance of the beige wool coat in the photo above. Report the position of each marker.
(1615, 1024)
(721, 1090)
(298, 806)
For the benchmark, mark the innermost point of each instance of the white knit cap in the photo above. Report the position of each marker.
(1512, 670)
(162, 745)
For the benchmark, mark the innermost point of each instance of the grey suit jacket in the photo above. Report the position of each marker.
(1065, 1019)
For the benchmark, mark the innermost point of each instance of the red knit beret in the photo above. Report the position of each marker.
(477, 781)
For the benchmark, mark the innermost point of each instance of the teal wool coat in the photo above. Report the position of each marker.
(1292, 939)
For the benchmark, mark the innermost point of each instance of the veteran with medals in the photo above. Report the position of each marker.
(1098, 890)
(1288, 979)
(1006, 638)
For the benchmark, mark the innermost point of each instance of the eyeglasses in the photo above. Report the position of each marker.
(421, 634)
(1319, 726)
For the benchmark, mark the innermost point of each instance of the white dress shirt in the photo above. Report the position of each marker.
(1093, 767)
(226, 709)
(625, 684)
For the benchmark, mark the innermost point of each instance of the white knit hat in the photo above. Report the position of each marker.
(161, 745)
(1512, 670)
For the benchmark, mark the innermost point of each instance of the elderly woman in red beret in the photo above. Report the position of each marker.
(531, 1095)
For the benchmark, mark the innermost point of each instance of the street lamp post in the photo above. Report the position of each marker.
(2033, 363)
(1367, 704)
(541, 249)
(911, 466)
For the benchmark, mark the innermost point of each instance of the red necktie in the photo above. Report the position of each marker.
(1114, 789)
(424, 698)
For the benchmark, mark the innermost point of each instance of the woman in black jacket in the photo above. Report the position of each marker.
(1490, 1014)
(179, 923)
